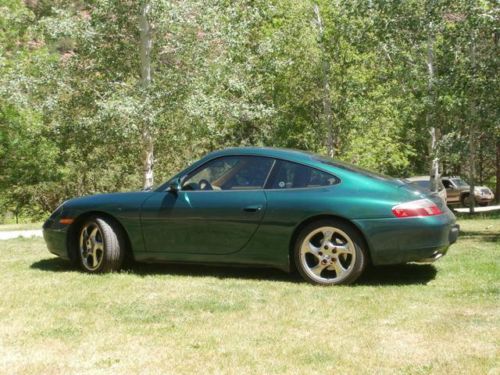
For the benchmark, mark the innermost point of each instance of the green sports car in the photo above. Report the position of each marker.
(259, 206)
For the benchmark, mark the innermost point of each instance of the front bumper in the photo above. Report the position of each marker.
(54, 235)
(484, 199)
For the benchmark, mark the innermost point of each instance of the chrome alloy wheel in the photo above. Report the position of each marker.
(91, 246)
(327, 255)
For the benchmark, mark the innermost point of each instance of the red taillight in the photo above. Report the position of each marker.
(421, 207)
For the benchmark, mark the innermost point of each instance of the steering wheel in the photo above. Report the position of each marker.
(205, 185)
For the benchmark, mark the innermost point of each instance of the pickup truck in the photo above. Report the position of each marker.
(458, 192)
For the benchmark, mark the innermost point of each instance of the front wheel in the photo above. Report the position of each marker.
(466, 200)
(330, 252)
(101, 246)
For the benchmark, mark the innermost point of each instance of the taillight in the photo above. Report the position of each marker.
(421, 207)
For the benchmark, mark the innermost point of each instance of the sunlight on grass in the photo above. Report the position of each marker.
(29, 226)
(412, 319)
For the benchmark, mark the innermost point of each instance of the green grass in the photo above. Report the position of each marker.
(478, 215)
(413, 319)
(9, 227)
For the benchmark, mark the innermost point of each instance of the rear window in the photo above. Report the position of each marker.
(353, 168)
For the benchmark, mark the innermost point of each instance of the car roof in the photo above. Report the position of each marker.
(280, 153)
(338, 168)
(303, 157)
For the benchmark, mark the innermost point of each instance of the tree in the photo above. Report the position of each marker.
(103, 95)
(145, 54)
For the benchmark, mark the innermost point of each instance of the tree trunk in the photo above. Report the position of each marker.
(146, 44)
(472, 164)
(325, 82)
(147, 159)
(434, 173)
(433, 149)
(480, 162)
(472, 126)
(497, 190)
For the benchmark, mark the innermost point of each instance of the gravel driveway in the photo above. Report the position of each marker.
(479, 209)
(7, 235)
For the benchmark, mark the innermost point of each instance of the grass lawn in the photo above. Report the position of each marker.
(9, 227)
(413, 319)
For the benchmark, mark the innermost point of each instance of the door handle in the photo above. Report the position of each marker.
(253, 208)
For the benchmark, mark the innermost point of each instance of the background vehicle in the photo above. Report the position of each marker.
(424, 182)
(458, 192)
(259, 206)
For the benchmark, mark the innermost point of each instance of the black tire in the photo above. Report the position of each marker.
(109, 237)
(464, 200)
(357, 246)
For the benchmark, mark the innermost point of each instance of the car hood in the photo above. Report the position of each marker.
(108, 201)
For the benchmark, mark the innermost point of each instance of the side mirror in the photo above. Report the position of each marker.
(176, 185)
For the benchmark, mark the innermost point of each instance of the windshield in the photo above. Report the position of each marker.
(459, 182)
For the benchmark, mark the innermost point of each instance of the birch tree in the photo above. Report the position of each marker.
(325, 82)
(430, 125)
(146, 44)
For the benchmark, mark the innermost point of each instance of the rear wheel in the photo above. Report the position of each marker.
(330, 252)
(100, 245)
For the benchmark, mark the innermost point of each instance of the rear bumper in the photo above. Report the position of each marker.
(437, 254)
(453, 235)
(421, 239)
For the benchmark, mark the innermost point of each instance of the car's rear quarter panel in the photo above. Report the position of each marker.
(366, 203)
(288, 209)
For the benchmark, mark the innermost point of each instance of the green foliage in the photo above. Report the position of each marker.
(73, 111)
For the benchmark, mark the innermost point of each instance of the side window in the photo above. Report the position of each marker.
(291, 176)
(230, 173)
(447, 184)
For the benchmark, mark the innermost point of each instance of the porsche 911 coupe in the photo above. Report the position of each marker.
(279, 208)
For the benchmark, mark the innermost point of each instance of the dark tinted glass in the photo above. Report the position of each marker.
(354, 168)
(447, 184)
(230, 173)
(291, 176)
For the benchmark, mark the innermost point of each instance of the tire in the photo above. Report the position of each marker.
(338, 260)
(465, 200)
(101, 245)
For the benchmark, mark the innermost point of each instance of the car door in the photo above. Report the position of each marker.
(218, 209)
(453, 195)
